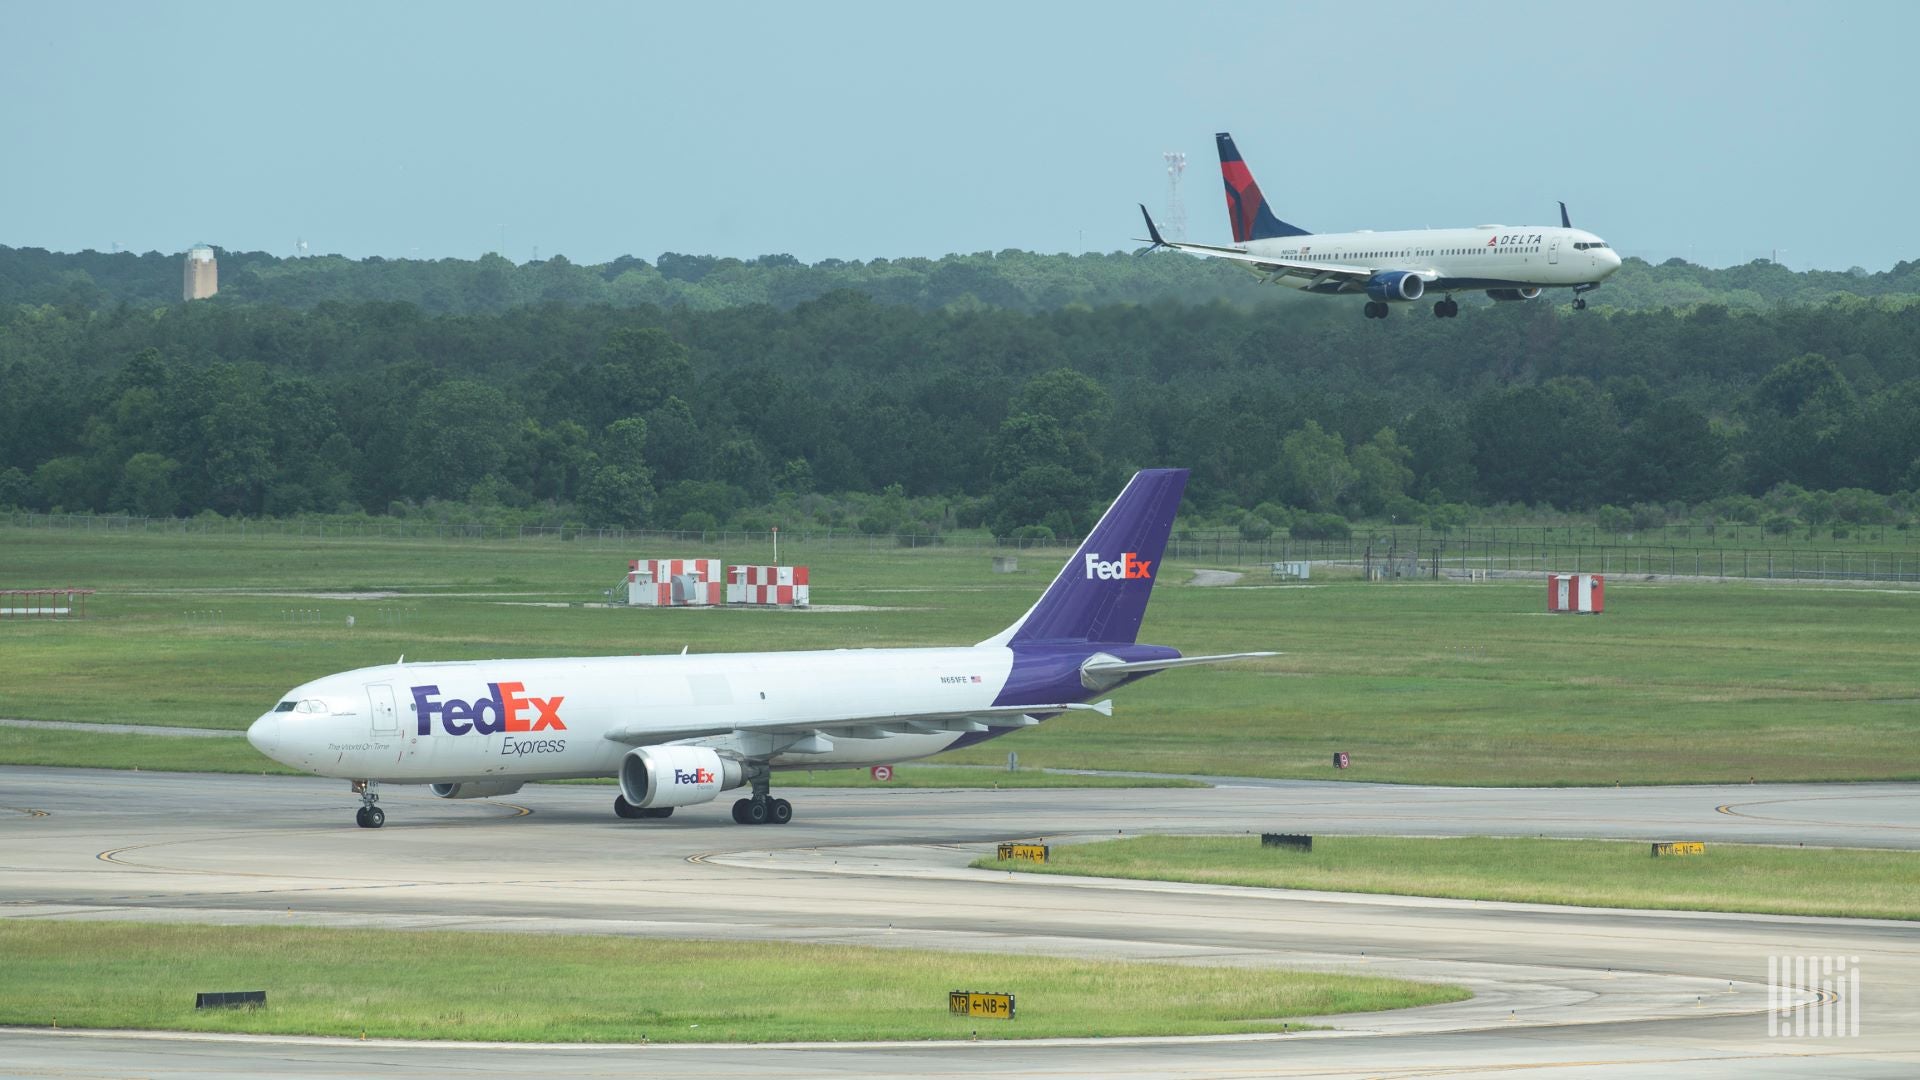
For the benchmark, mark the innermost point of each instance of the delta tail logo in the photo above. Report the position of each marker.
(1129, 566)
(505, 708)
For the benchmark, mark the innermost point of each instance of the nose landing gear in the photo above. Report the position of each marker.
(369, 816)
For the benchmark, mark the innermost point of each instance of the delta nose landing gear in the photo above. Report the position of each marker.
(370, 816)
(762, 808)
(1580, 302)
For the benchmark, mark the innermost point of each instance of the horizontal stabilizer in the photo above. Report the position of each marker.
(1103, 671)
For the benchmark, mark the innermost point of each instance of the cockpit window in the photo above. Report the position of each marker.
(285, 706)
(313, 705)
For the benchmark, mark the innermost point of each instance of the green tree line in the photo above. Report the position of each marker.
(680, 417)
(1005, 280)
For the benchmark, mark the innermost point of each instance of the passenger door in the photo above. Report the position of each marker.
(386, 718)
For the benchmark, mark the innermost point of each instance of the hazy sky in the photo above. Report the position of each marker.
(1719, 132)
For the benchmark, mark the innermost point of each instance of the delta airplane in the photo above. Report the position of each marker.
(1508, 262)
(678, 730)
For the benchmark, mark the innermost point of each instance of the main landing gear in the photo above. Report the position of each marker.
(1376, 309)
(370, 815)
(625, 809)
(762, 808)
(1446, 309)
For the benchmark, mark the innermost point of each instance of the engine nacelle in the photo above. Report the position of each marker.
(1527, 293)
(676, 775)
(483, 789)
(1396, 285)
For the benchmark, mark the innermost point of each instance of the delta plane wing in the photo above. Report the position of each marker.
(1320, 273)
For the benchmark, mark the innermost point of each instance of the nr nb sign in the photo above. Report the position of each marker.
(976, 1004)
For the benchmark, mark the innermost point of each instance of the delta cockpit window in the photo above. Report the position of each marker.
(285, 706)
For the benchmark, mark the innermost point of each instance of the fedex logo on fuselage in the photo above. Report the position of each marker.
(1128, 565)
(506, 709)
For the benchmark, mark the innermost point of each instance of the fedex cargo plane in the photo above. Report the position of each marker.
(1508, 262)
(679, 730)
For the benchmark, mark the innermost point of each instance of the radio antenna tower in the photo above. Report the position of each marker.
(1176, 222)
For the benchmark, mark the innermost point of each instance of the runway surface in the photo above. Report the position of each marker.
(1559, 992)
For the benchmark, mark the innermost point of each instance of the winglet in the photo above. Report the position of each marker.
(1565, 222)
(1153, 231)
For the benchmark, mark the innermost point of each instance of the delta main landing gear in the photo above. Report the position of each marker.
(1446, 309)
(370, 815)
(762, 808)
(1376, 309)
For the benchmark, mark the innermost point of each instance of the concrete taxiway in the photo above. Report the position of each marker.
(1558, 991)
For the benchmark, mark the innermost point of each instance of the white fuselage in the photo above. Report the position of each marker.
(1483, 257)
(554, 715)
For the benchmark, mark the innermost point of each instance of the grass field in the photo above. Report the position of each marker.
(605, 989)
(1594, 873)
(1428, 683)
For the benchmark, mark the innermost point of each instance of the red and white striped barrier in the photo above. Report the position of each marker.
(783, 586)
(674, 583)
(1578, 594)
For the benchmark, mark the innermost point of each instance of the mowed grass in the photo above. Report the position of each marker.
(1418, 682)
(1593, 873)
(601, 989)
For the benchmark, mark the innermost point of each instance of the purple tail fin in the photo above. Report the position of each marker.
(1101, 594)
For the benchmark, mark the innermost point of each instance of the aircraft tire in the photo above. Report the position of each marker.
(1439, 309)
(779, 811)
(740, 811)
(624, 809)
(756, 811)
(370, 817)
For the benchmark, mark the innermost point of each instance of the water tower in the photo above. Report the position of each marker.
(202, 277)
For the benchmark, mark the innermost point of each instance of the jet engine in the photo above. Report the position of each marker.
(654, 776)
(483, 789)
(1527, 293)
(1396, 285)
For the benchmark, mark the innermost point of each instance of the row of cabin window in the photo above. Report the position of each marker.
(1456, 251)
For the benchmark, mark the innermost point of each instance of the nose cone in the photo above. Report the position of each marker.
(1609, 261)
(265, 735)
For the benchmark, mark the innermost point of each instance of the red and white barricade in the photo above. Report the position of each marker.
(782, 586)
(1576, 594)
(674, 583)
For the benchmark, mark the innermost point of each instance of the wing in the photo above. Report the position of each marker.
(1319, 275)
(866, 726)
